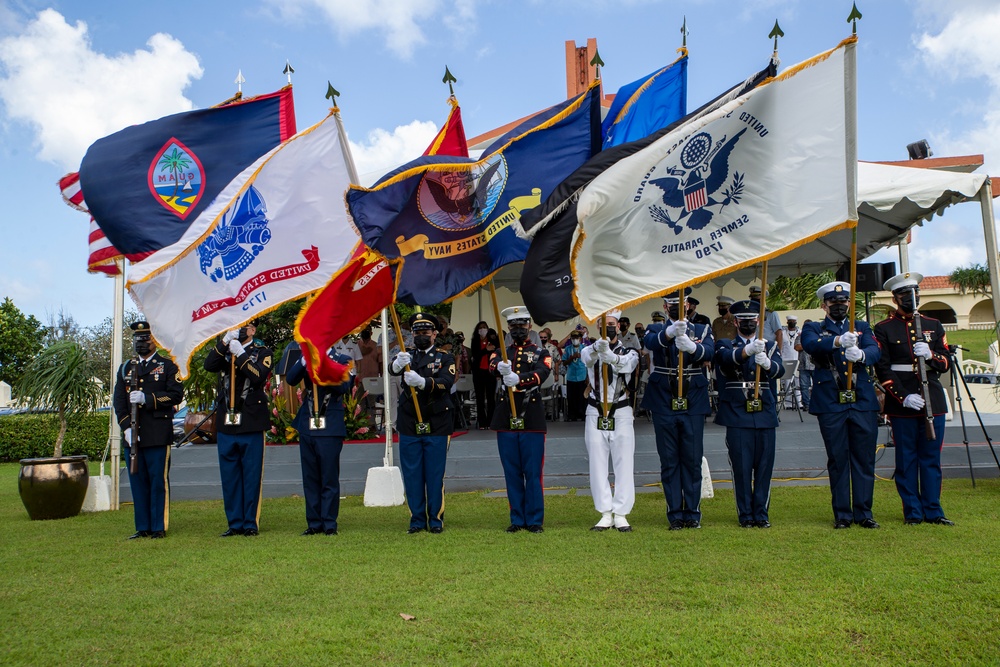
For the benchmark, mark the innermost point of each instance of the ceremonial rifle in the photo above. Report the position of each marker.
(133, 385)
(925, 388)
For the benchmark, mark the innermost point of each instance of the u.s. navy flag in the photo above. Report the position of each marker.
(647, 104)
(761, 175)
(446, 222)
(546, 281)
(277, 232)
(144, 185)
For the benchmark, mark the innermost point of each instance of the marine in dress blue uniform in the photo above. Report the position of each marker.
(241, 446)
(423, 450)
(320, 444)
(155, 388)
(849, 428)
(522, 450)
(918, 459)
(679, 429)
(749, 433)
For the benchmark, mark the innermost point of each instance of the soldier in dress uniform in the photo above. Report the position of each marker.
(240, 426)
(615, 435)
(918, 459)
(321, 427)
(679, 409)
(750, 421)
(693, 316)
(151, 383)
(423, 445)
(521, 439)
(848, 421)
(723, 326)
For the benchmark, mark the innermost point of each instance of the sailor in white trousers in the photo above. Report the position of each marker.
(612, 433)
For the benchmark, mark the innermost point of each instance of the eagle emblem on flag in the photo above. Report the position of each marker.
(463, 199)
(238, 239)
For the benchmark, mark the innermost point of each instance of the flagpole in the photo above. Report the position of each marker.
(604, 369)
(117, 324)
(852, 307)
(399, 339)
(680, 353)
(503, 347)
(760, 325)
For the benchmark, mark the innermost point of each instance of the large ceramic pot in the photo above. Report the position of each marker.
(53, 488)
(206, 428)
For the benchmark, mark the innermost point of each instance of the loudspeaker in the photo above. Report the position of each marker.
(870, 276)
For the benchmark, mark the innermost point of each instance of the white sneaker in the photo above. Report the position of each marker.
(622, 525)
(605, 522)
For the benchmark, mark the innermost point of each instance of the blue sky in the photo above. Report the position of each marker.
(72, 72)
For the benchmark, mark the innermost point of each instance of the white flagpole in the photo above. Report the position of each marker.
(118, 322)
(386, 390)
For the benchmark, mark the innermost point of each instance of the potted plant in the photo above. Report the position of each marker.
(58, 379)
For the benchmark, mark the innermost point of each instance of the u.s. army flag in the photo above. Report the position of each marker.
(277, 232)
(763, 174)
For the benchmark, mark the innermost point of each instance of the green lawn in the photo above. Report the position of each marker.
(976, 342)
(75, 592)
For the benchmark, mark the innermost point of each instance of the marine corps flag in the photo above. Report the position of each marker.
(446, 222)
(144, 185)
(765, 173)
(546, 282)
(276, 233)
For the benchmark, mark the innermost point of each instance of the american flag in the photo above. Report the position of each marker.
(102, 256)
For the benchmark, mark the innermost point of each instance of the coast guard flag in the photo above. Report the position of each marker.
(144, 185)
(647, 105)
(446, 222)
(761, 175)
(277, 232)
(546, 281)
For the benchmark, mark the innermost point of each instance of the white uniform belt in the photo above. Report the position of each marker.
(902, 368)
(748, 385)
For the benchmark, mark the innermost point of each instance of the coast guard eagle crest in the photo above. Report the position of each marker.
(690, 192)
(238, 239)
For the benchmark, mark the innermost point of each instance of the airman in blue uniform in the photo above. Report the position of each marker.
(747, 410)
(848, 417)
(679, 409)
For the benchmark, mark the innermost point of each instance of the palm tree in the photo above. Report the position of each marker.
(175, 162)
(59, 377)
(974, 278)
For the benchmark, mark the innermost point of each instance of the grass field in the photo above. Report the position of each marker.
(976, 342)
(76, 592)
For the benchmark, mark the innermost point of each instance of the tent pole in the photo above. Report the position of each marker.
(990, 234)
(904, 254)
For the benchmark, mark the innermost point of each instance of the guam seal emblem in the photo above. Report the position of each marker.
(176, 178)
(458, 200)
(238, 239)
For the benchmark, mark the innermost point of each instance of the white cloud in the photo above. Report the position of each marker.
(382, 151)
(71, 95)
(400, 21)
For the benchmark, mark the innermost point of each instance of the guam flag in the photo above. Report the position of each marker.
(145, 184)
(446, 221)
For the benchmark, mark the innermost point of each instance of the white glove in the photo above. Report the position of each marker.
(685, 344)
(678, 328)
(235, 348)
(756, 346)
(414, 379)
(922, 350)
(602, 345)
(849, 339)
(230, 335)
(608, 357)
(854, 354)
(401, 361)
(127, 434)
(503, 367)
(762, 360)
(914, 402)
(137, 397)
(511, 379)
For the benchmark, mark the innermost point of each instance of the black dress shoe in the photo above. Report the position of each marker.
(747, 524)
(763, 524)
(599, 529)
(676, 524)
(157, 534)
(251, 532)
(514, 529)
(869, 523)
(535, 529)
(841, 524)
(941, 521)
(913, 522)
(330, 531)
(437, 530)
(413, 529)
(231, 532)
(311, 531)
(691, 523)
(141, 533)
(620, 529)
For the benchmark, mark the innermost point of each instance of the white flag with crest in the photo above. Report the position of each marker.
(276, 233)
(761, 175)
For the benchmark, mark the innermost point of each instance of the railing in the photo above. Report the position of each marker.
(982, 326)
(971, 366)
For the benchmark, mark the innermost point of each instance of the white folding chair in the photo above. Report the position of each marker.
(463, 391)
(376, 390)
(790, 387)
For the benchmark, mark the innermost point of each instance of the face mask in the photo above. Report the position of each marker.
(483, 332)
(544, 340)
(838, 311)
(576, 341)
(422, 342)
(906, 302)
(519, 334)
(143, 348)
(791, 327)
(672, 311)
(366, 335)
(723, 311)
(611, 332)
(623, 327)
(746, 327)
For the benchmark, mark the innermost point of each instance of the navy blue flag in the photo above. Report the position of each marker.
(446, 221)
(146, 184)
(647, 104)
(546, 279)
